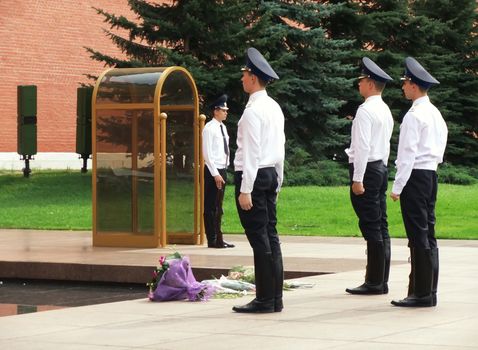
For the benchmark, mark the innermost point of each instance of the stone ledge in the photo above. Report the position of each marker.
(105, 273)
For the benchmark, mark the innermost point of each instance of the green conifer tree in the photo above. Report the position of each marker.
(448, 30)
(442, 36)
(210, 39)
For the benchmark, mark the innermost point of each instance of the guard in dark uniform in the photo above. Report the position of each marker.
(259, 163)
(421, 146)
(368, 157)
(215, 147)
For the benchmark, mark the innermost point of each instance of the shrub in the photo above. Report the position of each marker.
(320, 173)
(458, 175)
(448, 173)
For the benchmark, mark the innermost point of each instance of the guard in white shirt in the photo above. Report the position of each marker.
(258, 164)
(368, 157)
(215, 147)
(421, 146)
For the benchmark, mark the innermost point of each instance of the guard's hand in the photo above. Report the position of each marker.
(357, 188)
(245, 201)
(394, 196)
(219, 181)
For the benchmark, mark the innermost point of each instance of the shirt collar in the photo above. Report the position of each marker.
(373, 97)
(421, 100)
(215, 121)
(257, 95)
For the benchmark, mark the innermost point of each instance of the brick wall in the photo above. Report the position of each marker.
(42, 43)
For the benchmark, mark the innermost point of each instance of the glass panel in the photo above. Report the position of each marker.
(113, 181)
(145, 172)
(177, 90)
(125, 171)
(129, 85)
(180, 171)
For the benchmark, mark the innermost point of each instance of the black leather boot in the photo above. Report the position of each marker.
(374, 276)
(256, 306)
(435, 264)
(264, 278)
(411, 276)
(278, 281)
(386, 272)
(423, 279)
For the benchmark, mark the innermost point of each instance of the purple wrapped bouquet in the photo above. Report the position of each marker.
(174, 280)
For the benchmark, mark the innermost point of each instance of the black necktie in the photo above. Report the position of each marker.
(226, 149)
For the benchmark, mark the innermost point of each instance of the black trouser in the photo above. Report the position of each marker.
(213, 198)
(259, 224)
(371, 206)
(417, 202)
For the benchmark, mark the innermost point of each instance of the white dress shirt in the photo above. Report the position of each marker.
(371, 131)
(213, 146)
(260, 139)
(422, 141)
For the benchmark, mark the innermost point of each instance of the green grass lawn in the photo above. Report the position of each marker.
(46, 200)
(327, 211)
(62, 200)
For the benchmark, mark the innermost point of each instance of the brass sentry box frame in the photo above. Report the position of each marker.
(147, 163)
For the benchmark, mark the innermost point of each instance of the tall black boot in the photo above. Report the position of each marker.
(386, 272)
(374, 276)
(435, 264)
(278, 281)
(411, 276)
(264, 278)
(423, 279)
(209, 228)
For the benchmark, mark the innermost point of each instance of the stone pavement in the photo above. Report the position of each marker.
(322, 317)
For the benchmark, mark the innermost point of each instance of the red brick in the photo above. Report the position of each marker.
(43, 44)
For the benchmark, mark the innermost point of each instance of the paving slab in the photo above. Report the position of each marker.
(321, 317)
